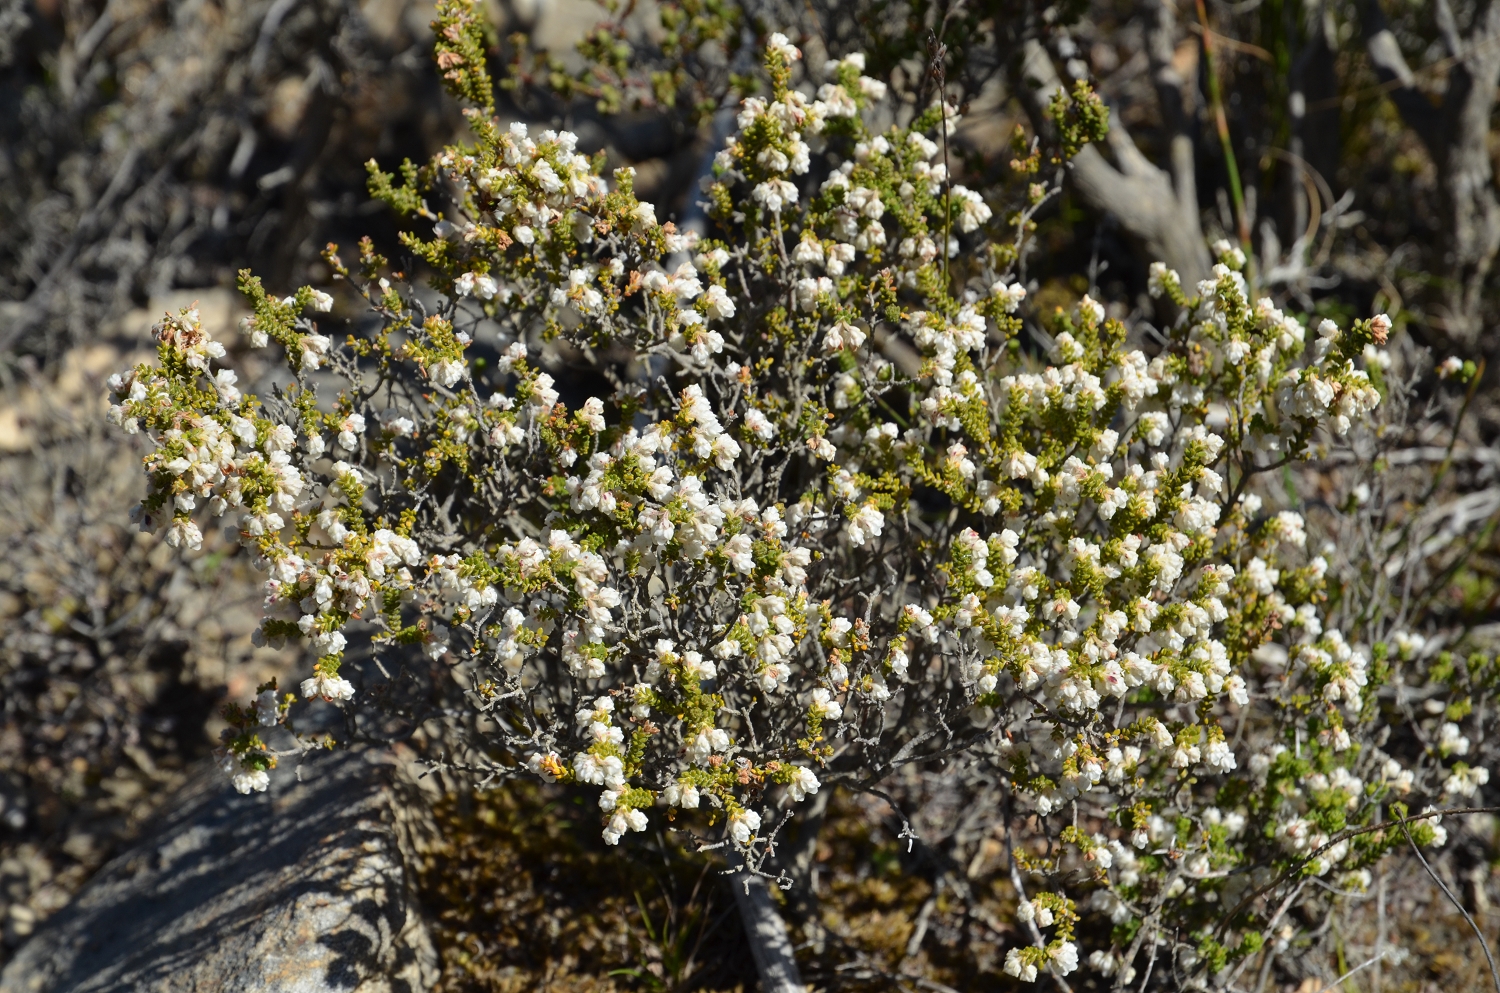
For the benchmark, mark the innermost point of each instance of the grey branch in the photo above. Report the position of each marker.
(1156, 210)
(769, 942)
(1455, 133)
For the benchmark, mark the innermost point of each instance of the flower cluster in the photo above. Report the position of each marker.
(832, 508)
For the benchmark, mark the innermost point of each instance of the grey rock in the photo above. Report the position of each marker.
(302, 889)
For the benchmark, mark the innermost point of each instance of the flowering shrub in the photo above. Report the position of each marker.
(838, 514)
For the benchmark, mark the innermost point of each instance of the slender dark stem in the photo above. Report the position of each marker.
(1296, 867)
(937, 67)
(1447, 463)
(1221, 121)
(1357, 969)
(1494, 973)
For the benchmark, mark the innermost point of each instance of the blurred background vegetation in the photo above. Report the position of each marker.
(151, 148)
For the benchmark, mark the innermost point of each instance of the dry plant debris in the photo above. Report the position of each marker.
(526, 896)
(113, 652)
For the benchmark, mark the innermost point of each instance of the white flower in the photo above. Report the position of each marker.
(592, 414)
(718, 304)
(737, 551)
(350, 428)
(774, 194)
(773, 676)
(843, 335)
(330, 688)
(742, 826)
(778, 44)
(184, 534)
(1015, 966)
(865, 523)
(1010, 295)
(252, 780)
(1103, 961)
(759, 425)
(803, 783)
(1451, 741)
(681, 794)
(706, 743)
(476, 284)
(1219, 756)
(446, 372)
(1439, 833)
(973, 211)
(621, 822)
(1064, 957)
(257, 336)
(694, 664)
(267, 709)
(224, 382)
(314, 350)
(825, 706)
(1466, 781)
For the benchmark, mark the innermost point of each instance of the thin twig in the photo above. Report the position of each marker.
(1359, 968)
(938, 67)
(1221, 121)
(1494, 973)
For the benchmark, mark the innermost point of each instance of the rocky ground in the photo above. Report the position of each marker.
(114, 651)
